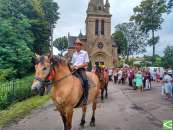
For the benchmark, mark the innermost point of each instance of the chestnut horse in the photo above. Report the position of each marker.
(104, 79)
(67, 90)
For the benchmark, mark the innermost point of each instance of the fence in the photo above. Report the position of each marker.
(13, 91)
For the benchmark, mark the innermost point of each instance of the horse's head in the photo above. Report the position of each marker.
(45, 70)
(42, 71)
(100, 73)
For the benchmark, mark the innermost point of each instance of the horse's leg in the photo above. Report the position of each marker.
(69, 119)
(42, 90)
(46, 89)
(82, 123)
(106, 88)
(92, 123)
(63, 116)
(102, 94)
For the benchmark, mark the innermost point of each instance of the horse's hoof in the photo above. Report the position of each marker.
(92, 124)
(55, 109)
(82, 123)
(102, 98)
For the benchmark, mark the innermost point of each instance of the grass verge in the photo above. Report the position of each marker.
(21, 109)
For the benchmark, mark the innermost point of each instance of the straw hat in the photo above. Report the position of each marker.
(78, 42)
(169, 71)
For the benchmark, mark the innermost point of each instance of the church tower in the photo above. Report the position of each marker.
(98, 33)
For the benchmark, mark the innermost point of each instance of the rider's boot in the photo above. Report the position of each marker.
(85, 100)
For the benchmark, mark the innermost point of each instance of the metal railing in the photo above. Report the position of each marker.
(13, 91)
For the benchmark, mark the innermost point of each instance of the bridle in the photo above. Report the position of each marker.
(46, 81)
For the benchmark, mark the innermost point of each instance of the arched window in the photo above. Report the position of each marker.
(97, 27)
(102, 27)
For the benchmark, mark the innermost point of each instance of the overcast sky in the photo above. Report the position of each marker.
(73, 14)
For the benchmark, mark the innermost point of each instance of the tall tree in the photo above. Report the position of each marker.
(136, 39)
(46, 12)
(24, 30)
(149, 15)
(61, 44)
(121, 42)
(168, 57)
(15, 55)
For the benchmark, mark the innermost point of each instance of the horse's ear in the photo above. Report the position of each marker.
(36, 59)
(37, 56)
(50, 57)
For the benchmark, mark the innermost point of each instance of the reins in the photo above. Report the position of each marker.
(64, 77)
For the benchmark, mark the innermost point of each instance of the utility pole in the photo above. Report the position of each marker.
(51, 39)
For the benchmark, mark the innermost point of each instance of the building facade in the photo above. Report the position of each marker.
(97, 41)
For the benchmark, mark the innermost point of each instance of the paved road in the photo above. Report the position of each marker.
(125, 109)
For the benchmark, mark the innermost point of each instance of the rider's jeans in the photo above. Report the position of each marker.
(82, 74)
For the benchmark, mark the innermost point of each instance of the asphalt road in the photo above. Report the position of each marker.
(125, 109)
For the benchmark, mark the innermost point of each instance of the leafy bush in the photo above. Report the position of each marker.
(6, 74)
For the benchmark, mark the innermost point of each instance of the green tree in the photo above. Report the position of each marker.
(149, 15)
(121, 42)
(14, 52)
(158, 61)
(61, 44)
(168, 57)
(135, 39)
(24, 30)
(43, 19)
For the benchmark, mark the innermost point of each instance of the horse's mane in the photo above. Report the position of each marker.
(57, 60)
(40, 59)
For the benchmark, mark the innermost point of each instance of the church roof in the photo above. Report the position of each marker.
(72, 39)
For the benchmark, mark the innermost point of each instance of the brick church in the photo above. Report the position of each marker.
(97, 41)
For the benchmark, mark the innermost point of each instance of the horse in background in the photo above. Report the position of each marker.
(67, 90)
(103, 76)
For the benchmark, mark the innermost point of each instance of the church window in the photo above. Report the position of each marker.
(97, 27)
(102, 27)
(100, 8)
(100, 45)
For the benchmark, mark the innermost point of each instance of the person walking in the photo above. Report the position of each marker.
(138, 81)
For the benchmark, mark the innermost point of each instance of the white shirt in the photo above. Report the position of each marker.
(120, 74)
(80, 58)
(110, 71)
(167, 78)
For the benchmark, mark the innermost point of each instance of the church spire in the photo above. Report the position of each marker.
(107, 6)
(95, 5)
(99, 4)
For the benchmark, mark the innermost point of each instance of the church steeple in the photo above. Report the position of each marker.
(107, 6)
(96, 5)
(99, 5)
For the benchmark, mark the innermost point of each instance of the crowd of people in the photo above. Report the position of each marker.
(141, 79)
(136, 78)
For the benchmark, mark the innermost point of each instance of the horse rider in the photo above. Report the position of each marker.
(80, 60)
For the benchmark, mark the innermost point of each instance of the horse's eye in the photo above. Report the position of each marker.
(44, 68)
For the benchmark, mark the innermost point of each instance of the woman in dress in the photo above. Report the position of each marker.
(138, 81)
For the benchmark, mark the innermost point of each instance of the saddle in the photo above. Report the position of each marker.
(82, 83)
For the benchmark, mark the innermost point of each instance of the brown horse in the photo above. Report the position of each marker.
(67, 90)
(103, 78)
